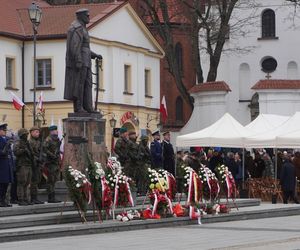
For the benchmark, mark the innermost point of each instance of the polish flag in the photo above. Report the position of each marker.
(18, 104)
(163, 109)
(40, 103)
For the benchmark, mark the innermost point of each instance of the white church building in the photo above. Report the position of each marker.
(265, 79)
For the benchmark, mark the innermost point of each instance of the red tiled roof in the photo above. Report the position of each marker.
(277, 84)
(56, 19)
(10, 21)
(210, 86)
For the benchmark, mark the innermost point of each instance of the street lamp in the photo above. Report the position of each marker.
(35, 15)
(113, 122)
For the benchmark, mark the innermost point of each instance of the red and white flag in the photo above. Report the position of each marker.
(17, 102)
(163, 109)
(41, 102)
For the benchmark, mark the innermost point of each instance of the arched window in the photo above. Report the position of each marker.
(244, 82)
(292, 70)
(268, 24)
(179, 56)
(179, 109)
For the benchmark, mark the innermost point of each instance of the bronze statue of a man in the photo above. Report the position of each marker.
(78, 78)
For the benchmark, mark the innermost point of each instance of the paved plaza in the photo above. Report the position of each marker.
(272, 233)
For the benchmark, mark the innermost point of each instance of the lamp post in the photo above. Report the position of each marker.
(112, 123)
(35, 15)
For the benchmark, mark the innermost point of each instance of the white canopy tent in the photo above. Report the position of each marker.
(266, 122)
(226, 132)
(271, 138)
(289, 139)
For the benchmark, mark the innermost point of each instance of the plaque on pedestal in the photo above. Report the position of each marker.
(84, 134)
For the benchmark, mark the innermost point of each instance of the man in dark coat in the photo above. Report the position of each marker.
(168, 154)
(288, 180)
(78, 78)
(156, 150)
(216, 160)
(6, 173)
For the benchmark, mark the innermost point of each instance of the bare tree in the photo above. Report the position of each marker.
(215, 22)
(161, 22)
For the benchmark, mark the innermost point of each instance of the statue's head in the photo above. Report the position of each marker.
(83, 15)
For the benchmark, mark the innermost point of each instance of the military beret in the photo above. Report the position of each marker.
(123, 130)
(34, 128)
(52, 127)
(144, 138)
(82, 11)
(166, 132)
(22, 131)
(132, 132)
(3, 126)
(155, 132)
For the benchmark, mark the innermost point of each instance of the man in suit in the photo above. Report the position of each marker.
(156, 150)
(288, 180)
(168, 154)
(6, 165)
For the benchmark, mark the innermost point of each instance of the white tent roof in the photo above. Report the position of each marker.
(289, 140)
(226, 132)
(268, 139)
(266, 122)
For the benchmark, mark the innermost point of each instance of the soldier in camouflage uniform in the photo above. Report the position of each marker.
(143, 164)
(133, 148)
(24, 162)
(51, 150)
(121, 148)
(36, 146)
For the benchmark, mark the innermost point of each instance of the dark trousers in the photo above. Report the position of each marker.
(289, 195)
(13, 189)
(3, 191)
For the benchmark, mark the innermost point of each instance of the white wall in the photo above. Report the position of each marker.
(10, 48)
(120, 28)
(285, 50)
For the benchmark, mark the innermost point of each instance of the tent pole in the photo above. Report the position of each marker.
(276, 164)
(243, 168)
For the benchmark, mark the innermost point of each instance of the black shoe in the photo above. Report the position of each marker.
(14, 201)
(29, 202)
(22, 203)
(3, 204)
(37, 202)
(54, 201)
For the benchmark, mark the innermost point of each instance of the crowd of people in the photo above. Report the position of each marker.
(23, 159)
(136, 157)
(259, 164)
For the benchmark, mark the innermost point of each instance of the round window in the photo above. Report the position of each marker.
(268, 65)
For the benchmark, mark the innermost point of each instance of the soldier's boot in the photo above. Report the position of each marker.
(22, 203)
(52, 198)
(34, 200)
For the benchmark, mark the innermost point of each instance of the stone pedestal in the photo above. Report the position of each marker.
(84, 133)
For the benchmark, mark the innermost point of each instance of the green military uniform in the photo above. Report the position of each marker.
(36, 146)
(51, 150)
(121, 149)
(133, 149)
(144, 163)
(24, 162)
